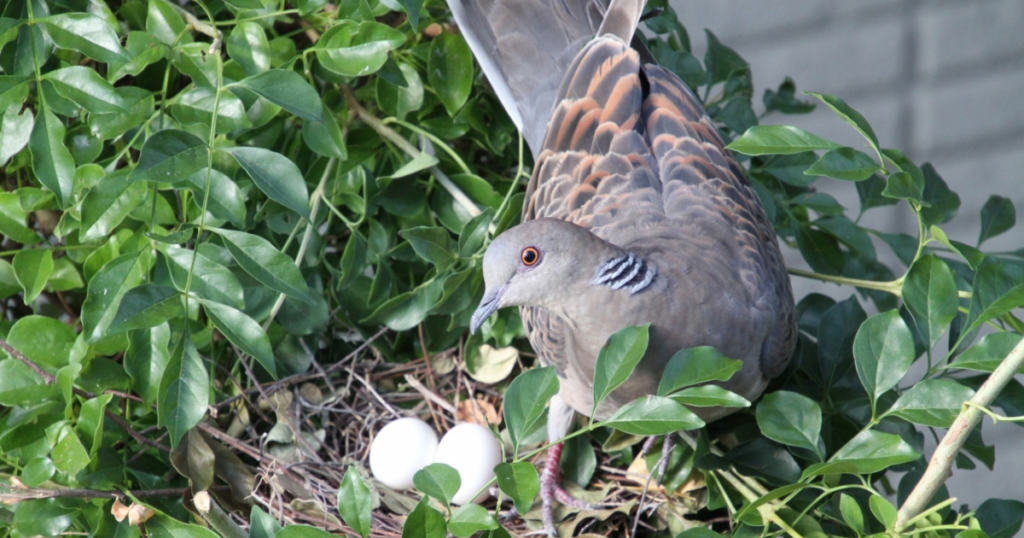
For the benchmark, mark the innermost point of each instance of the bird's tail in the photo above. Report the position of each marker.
(526, 46)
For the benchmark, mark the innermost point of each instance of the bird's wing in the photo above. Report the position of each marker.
(629, 149)
(524, 48)
(702, 182)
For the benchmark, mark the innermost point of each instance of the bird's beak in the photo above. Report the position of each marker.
(488, 305)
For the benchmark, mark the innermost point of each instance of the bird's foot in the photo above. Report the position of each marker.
(551, 491)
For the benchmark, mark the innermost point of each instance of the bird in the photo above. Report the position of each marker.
(635, 212)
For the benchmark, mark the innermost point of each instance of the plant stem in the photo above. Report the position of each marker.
(893, 287)
(391, 136)
(945, 453)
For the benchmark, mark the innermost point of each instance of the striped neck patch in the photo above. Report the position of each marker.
(629, 271)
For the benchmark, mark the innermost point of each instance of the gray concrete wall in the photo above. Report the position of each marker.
(942, 80)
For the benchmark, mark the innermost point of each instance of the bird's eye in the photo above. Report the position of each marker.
(530, 256)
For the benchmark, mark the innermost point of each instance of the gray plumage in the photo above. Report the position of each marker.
(637, 211)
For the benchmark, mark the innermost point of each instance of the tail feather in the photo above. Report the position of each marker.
(525, 48)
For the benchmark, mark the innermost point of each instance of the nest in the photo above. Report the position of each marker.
(297, 437)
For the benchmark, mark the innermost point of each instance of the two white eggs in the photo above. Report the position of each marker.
(407, 445)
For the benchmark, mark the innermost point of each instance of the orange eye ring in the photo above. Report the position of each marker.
(530, 256)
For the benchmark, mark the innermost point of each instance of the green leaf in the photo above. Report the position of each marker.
(248, 46)
(15, 131)
(903, 186)
(142, 51)
(579, 462)
(883, 510)
(844, 163)
(146, 359)
(398, 101)
(357, 49)
(470, 519)
(37, 470)
(852, 513)
(721, 61)
(43, 518)
(69, 455)
(184, 390)
(868, 452)
(146, 306)
(265, 263)
(87, 89)
(192, 60)
(288, 90)
(170, 156)
(694, 366)
(243, 332)
(997, 216)
(791, 419)
(941, 204)
(212, 280)
(883, 351)
(849, 234)
(653, 415)
(438, 480)
(420, 162)
(226, 200)
(45, 341)
(973, 256)
(424, 522)
(518, 480)
(51, 161)
(820, 250)
(617, 359)
(450, 70)
(472, 236)
(778, 139)
(195, 107)
(931, 295)
(106, 288)
(433, 244)
(932, 402)
(87, 34)
(19, 385)
(355, 503)
(13, 218)
(164, 23)
(998, 289)
(851, 116)
(709, 396)
(325, 138)
(107, 204)
(525, 400)
(32, 267)
(407, 310)
(275, 175)
(988, 353)
(1000, 518)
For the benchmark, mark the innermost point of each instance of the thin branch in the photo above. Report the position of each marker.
(29, 494)
(391, 136)
(945, 453)
(271, 387)
(47, 377)
(893, 287)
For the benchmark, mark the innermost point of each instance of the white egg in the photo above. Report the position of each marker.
(400, 449)
(473, 451)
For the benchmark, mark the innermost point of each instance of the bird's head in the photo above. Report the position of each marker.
(538, 263)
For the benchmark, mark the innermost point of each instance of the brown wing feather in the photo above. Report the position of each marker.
(621, 161)
(699, 174)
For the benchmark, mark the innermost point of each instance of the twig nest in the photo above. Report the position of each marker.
(400, 449)
(473, 451)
